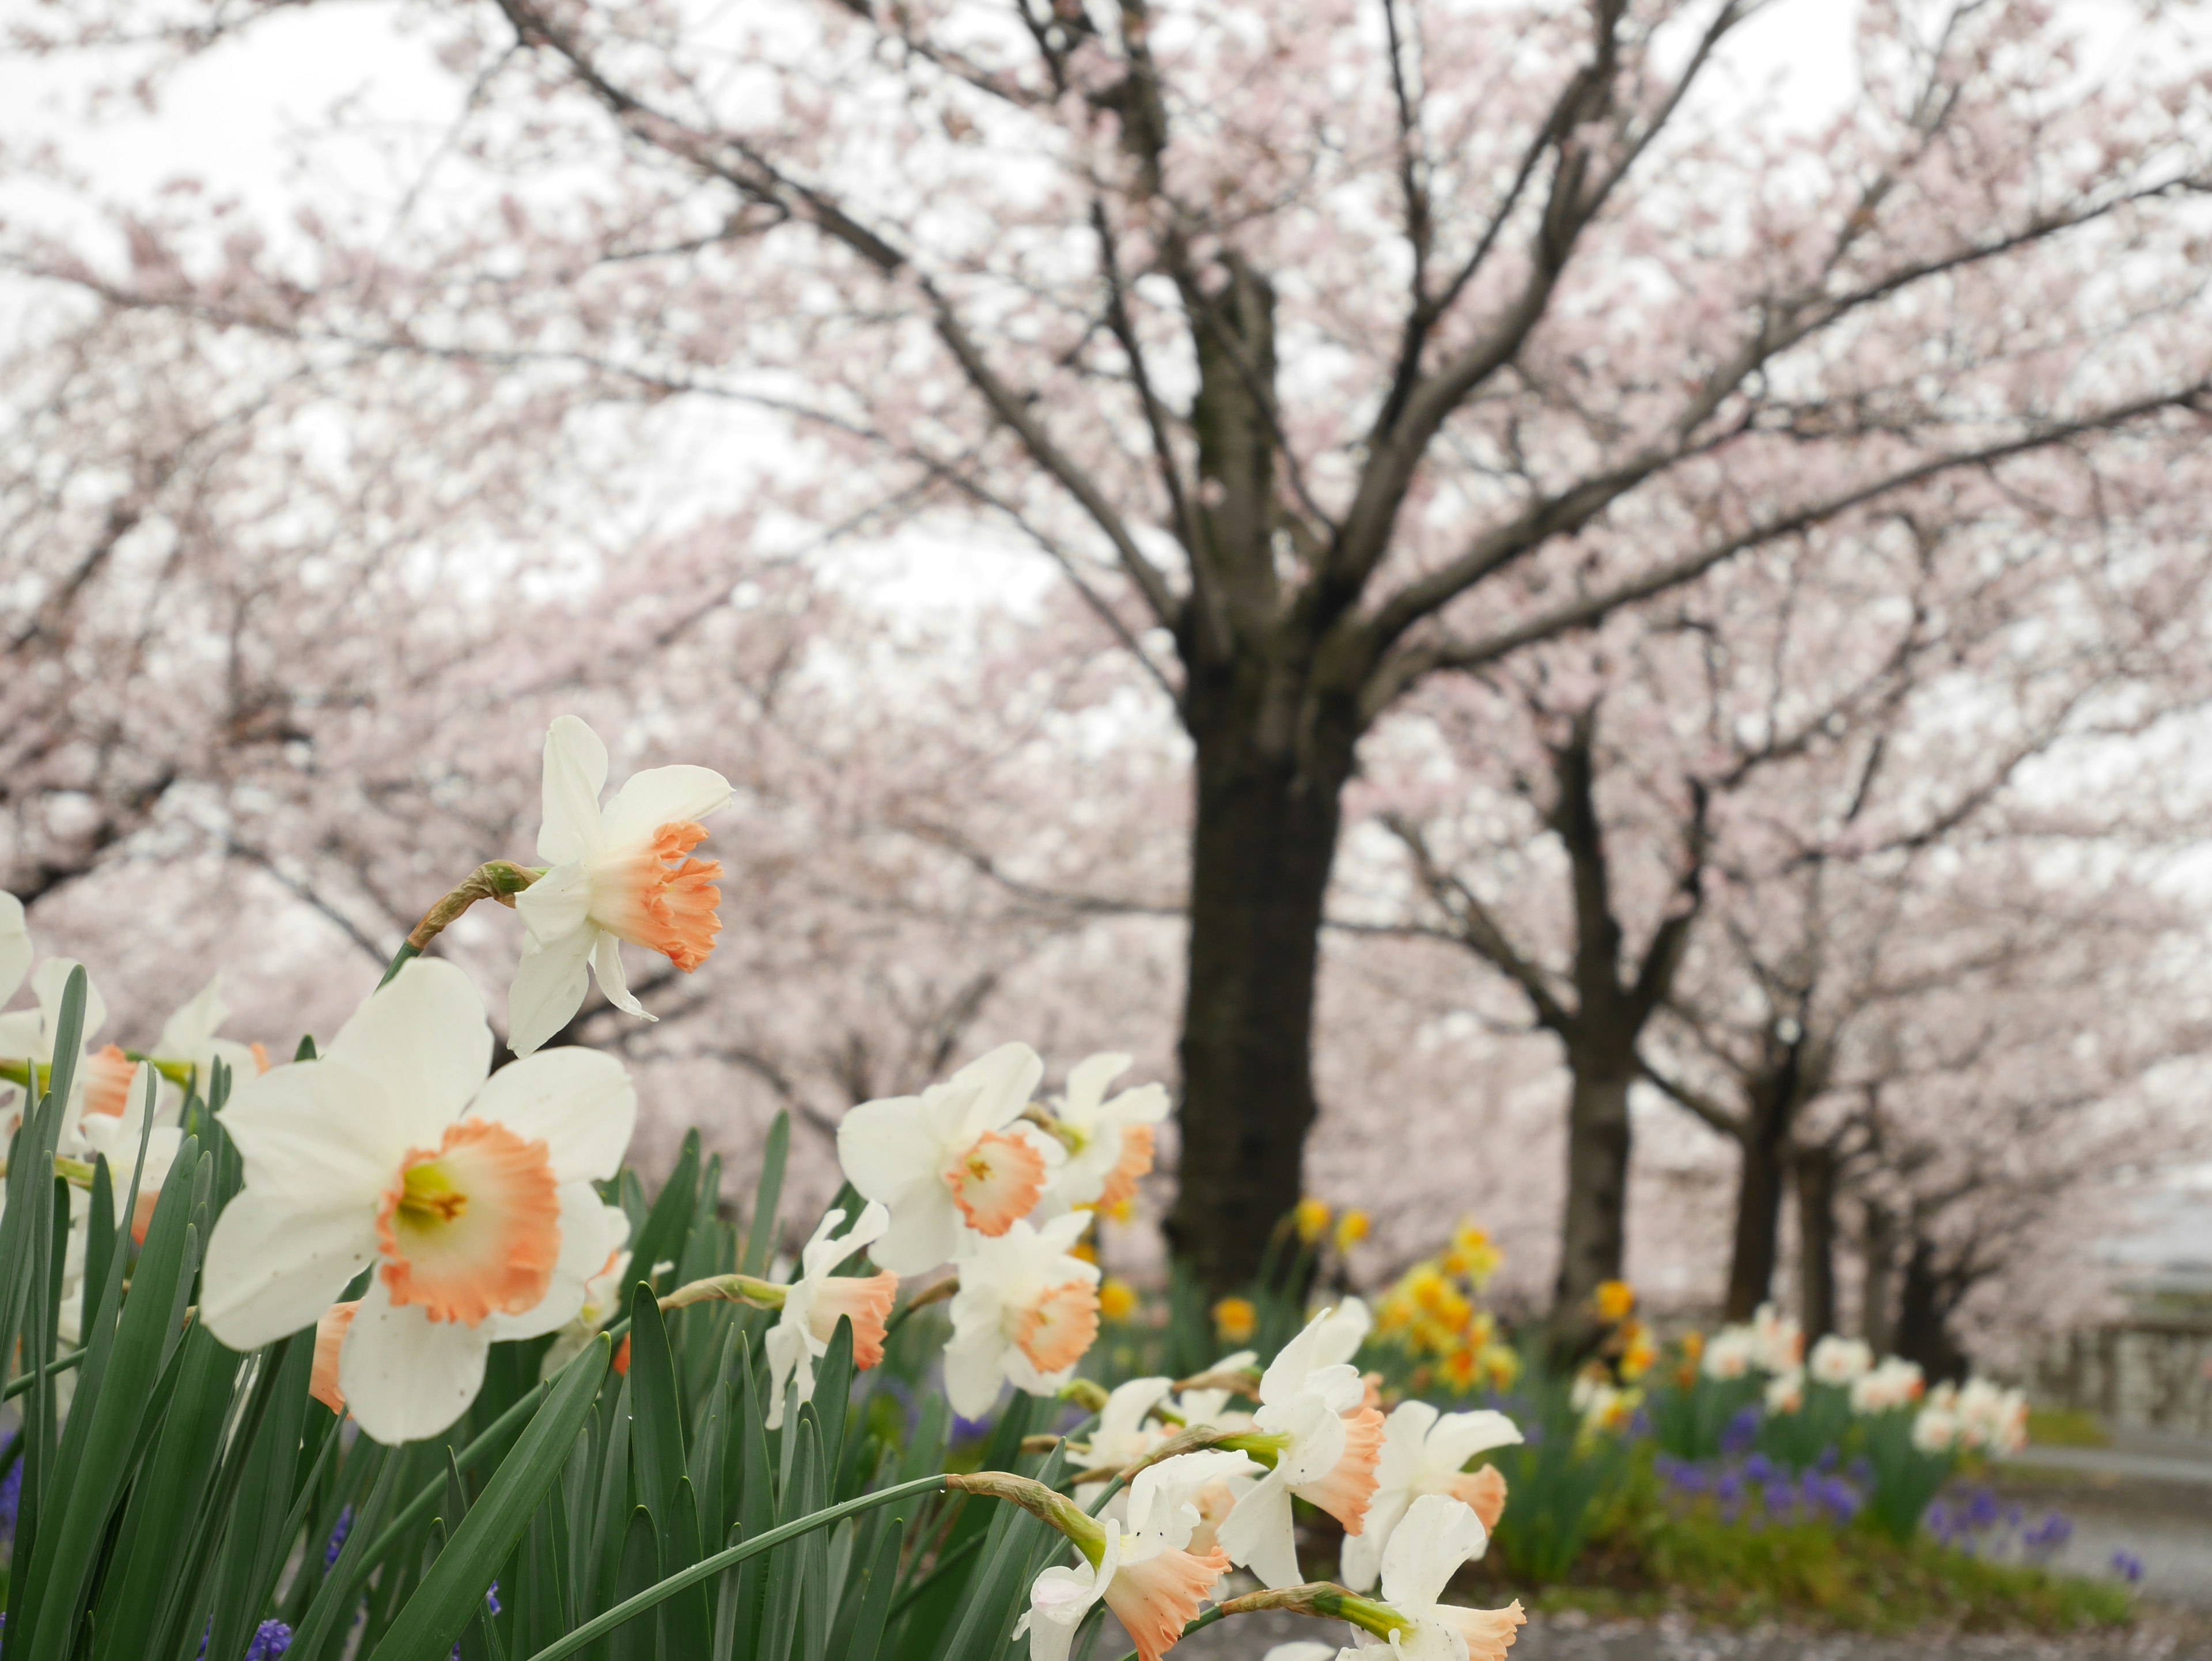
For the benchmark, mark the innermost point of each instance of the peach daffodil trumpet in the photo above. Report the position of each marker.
(613, 873)
(955, 1161)
(814, 1300)
(469, 1193)
(1026, 1312)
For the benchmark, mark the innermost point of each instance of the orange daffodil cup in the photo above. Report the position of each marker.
(613, 873)
(468, 1193)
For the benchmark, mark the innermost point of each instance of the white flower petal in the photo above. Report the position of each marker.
(1437, 1534)
(578, 1102)
(925, 1231)
(15, 946)
(973, 1372)
(576, 773)
(1458, 1437)
(663, 795)
(22, 1036)
(549, 988)
(186, 1035)
(273, 1267)
(406, 1377)
(1005, 1081)
(1086, 1085)
(606, 966)
(423, 1036)
(886, 1147)
(1256, 1534)
(558, 904)
(321, 1136)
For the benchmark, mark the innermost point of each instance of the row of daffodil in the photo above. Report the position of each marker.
(1979, 1416)
(462, 1206)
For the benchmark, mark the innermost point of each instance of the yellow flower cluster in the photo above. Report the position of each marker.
(1432, 1310)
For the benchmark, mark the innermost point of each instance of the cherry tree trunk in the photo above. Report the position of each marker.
(1593, 1231)
(1816, 1241)
(1265, 836)
(1877, 1302)
(1925, 1303)
(1772, 1099)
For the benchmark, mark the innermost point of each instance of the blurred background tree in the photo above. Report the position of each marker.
(1763, 539)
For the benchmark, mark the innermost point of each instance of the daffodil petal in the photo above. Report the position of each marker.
(406, 1377)
(423, 1036)
(576, 773)
(272, 1269)
(663, 795)
(578, 1102)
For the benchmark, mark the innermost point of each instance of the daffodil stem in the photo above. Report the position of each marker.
(59, 1363)
(494, 879)
(935, 1294)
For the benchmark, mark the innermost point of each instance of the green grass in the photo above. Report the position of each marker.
(2066, 1427)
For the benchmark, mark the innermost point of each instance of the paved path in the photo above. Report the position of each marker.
(2189, 1469)
(1565, 1639)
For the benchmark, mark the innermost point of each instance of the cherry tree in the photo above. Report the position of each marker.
(1801, 797)
(1320, 350)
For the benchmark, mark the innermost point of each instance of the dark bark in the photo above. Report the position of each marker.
(1275, 741)
(1773, 1098)
(1925, 1304)
(1593, 1231)
(1265, 834)
(1878, 1298)
(1816, 1241)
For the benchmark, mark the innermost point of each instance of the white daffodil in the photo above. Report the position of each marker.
(1840, 1362)
(1187, 1499)
(107, 1081)
(957, 1154)
(188, 1038)
(1151, 1575)
(1305, 1650)
(1026, 1311)
(470, 1194)
(616, 873)
(606, 1295)
(1895, 1383)
(1326, 1442)
(1122, 1437)
(814, 1301)
(1424, 1452)
(1439, 1534)
(1109, 1142)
